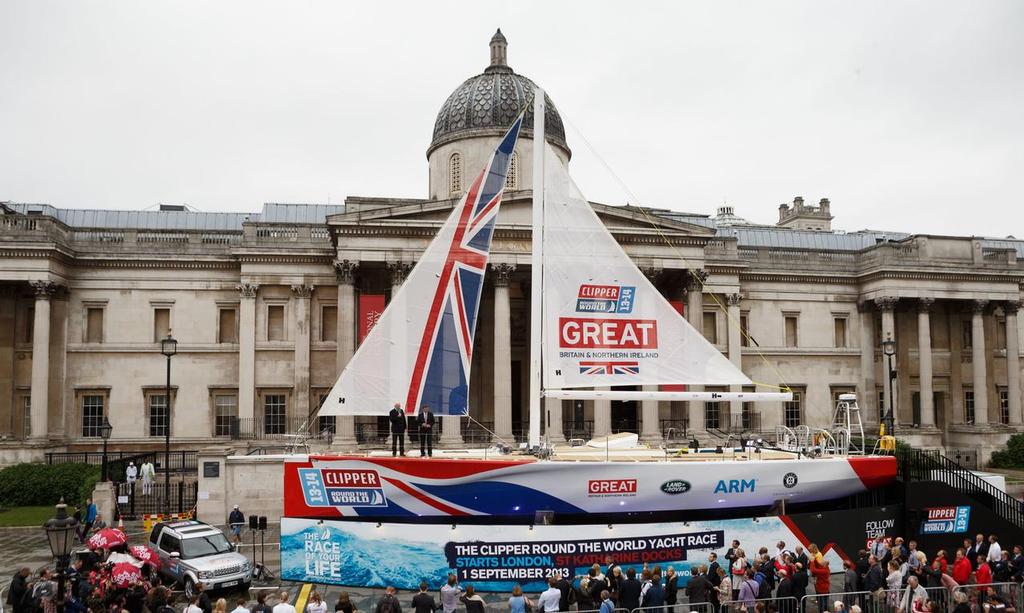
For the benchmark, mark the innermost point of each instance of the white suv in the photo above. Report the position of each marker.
(192, 552)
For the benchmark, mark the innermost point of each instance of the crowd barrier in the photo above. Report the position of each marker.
(786, 604)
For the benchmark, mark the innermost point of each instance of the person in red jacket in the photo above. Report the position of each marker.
(961, 568)
(983, 577)
(822, 580)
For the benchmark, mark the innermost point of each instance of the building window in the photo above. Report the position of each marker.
(791, 330)
(275, 322)
(29, 325)
(710, 325)
(512, 178)
(881, 402)
(326, 423)
(225, 411)
(26, 416)
(793, 411)
(1004, 406)
(161, 323)
(227, 325)
(839, 332)
(1001, 334)
(712, 415)
(748, 419)
(744, 331)
(94, 325)
(274, 409)
(159, 417)
(968, 406)
(329, 323)
(455, 173)
(966, 334)
(92, 414)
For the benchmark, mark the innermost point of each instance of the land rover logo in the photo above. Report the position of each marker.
(675, 486)
(790, 480)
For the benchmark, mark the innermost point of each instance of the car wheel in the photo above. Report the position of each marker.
(190, 588)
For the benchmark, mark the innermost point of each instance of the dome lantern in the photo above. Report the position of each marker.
(499, 47)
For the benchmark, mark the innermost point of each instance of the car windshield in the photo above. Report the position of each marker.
(204, 546)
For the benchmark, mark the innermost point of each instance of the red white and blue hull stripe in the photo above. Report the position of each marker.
(389, 488)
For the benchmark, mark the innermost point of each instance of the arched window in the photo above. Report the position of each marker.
(512, 178)
(455, 173)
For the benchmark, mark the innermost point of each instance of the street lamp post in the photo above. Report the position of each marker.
(105, 430)
(60, 531)
(889, 350)
(168, 347)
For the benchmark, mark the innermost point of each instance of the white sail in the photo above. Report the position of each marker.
(419, 352)
(605, 324)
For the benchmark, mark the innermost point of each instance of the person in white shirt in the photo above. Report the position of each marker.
(241, 608)
(549, 598)
(283, 606)
(130, 474)
(995, 552)
(148, 476)
(316, 604)
(193, 605)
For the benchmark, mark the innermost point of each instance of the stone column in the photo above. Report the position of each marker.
(503, 352)
(650, 428)
(602, 416)
(553, 408)
(247, 355)
(40, 401)
(868, 398)
(300, 336)
(451, 431)
(345, 272)
(924, 357)
(1013, 363)
(978, 362)
(735, 354)
(887, 304)
(695, 315)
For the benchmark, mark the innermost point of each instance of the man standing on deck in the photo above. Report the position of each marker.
(397, 420)
(426, 423)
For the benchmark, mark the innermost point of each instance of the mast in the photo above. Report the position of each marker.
(536, 270)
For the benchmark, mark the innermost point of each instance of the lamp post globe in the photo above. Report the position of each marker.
(889, 351)
(168, 347)
(60, 535)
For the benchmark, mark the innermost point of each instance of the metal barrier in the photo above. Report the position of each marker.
(679, 607)
(978, 593)
(786, 604)
(848, 598)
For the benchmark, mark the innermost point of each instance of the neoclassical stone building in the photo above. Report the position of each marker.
(268, 307)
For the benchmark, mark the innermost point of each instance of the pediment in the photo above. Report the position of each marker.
(515, 213)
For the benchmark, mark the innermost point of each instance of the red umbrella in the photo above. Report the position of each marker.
(107, 538)
(125, 574)
(146, 555)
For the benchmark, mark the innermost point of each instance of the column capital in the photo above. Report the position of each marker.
(865, 306)
(502, 273)
(1011, 307)
(302, 290)
(733, 299)
(979, 306)
(398, 271)
(345, 271)
(886, 303)
(651, 272)
(925, 304)
(44, 290)
(248, 290)
(695, 278)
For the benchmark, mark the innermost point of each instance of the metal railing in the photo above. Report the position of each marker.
(182, 497)
(915, 465)
(848, 599)
(786, 604)
(180, 461)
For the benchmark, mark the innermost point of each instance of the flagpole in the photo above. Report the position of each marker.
(536, 270)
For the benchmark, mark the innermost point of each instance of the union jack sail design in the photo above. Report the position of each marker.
(420, 351)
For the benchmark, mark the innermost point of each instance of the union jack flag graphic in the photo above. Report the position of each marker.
(609, 368)
(441, 370)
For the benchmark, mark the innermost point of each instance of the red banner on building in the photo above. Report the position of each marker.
(677, 305)
(371, 306)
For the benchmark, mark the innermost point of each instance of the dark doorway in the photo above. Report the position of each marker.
(518, 419)
(624, 417)
(915, 409)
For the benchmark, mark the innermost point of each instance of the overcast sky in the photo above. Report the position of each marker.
(907, 115)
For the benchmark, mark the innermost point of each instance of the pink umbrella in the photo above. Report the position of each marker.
(107, 538)
(125, 574)
(146, 555)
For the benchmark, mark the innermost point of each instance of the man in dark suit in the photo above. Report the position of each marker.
(629, 592)
(423, 602)
(426, 421)
(713, 567)
(397, 420)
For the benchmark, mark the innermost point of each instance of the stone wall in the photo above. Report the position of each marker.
(254, 483)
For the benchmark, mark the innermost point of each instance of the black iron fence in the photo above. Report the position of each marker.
(919, 465)
(183, 462)
(137, 499)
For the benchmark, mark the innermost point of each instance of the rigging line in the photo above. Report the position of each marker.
(489, 431)
(657, 228)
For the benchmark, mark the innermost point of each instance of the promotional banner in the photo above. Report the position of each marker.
(496, 557)
(668, 387)
(328, 487)
(370, 308)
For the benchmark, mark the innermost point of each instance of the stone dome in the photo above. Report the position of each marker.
(488, 103)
